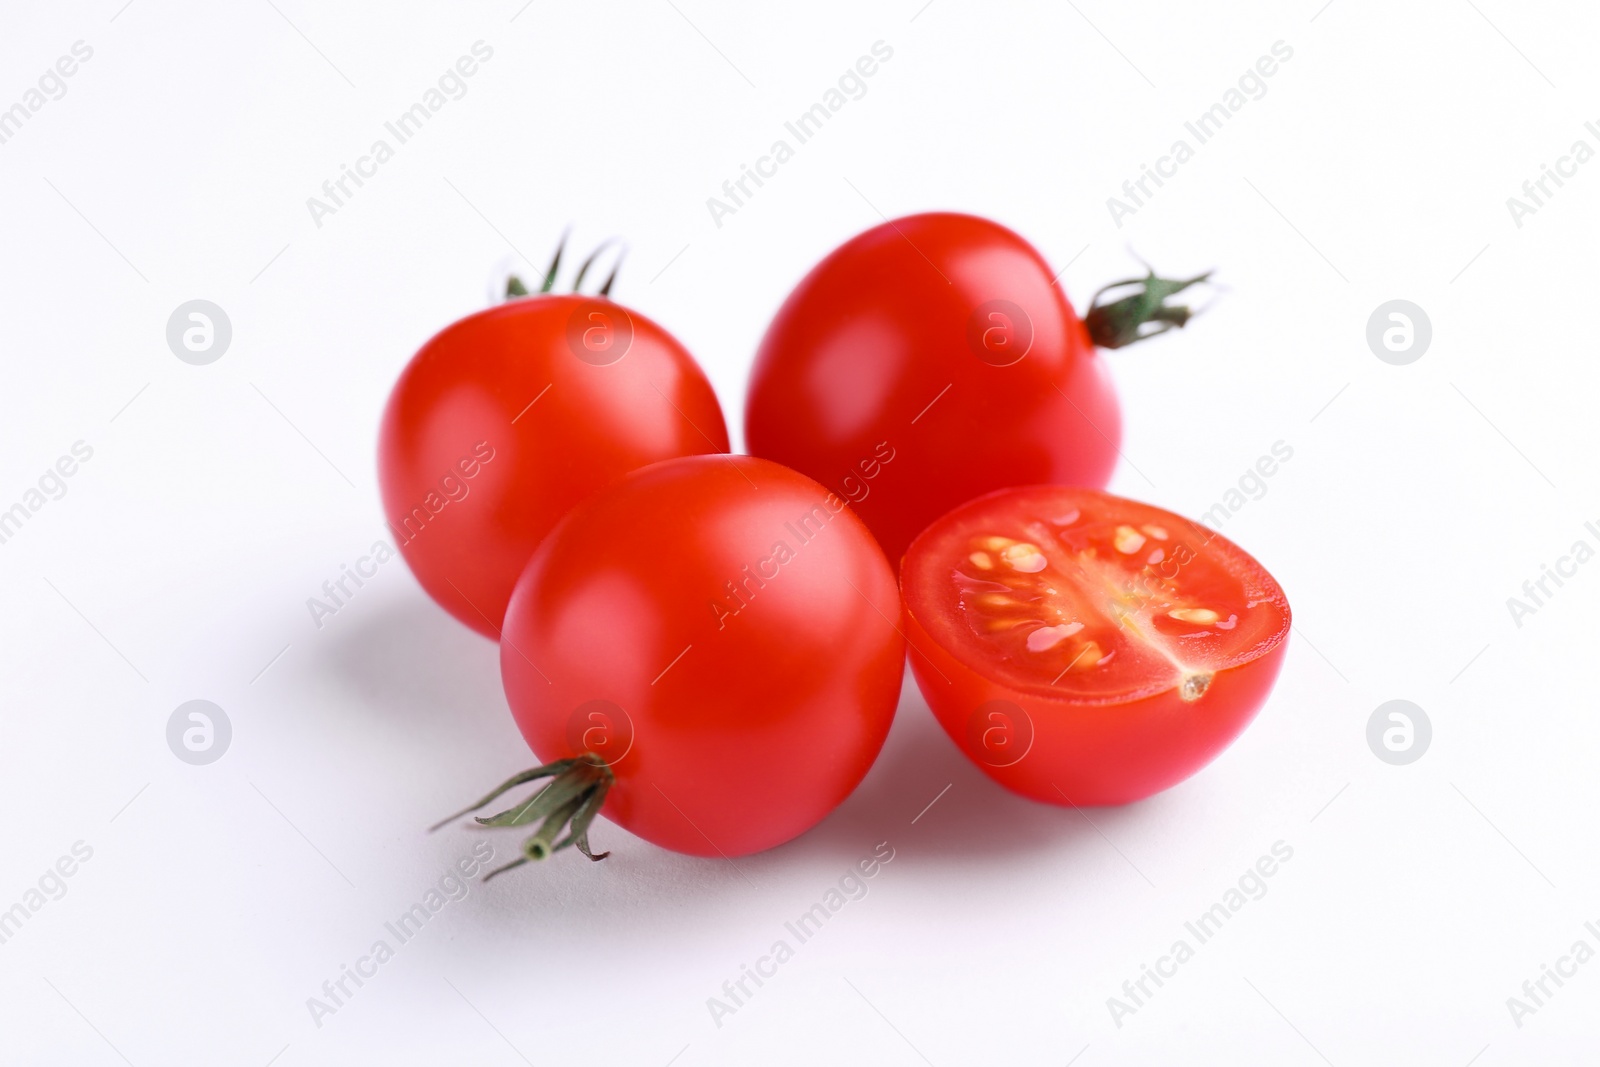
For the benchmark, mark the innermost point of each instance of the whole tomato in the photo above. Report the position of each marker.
(933, 359)
(709, 649)
(507, 418)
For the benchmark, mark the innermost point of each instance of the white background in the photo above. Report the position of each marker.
(219, 498)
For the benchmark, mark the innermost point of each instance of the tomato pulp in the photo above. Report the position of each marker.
(507, 418)
(942, 341)
(721, 632)
(1084, 649)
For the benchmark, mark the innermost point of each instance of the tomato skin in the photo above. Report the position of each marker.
(1089, 743)
(1086, 755)
(466, 395)
(737, 730)
(875, 333)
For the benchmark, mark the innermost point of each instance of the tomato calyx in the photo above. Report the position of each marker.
(1141, 314)
(515, 286)
(570, 800)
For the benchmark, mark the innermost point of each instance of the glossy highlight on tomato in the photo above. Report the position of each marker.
(509, 417)
(720, 631)
(945, 339)
(1084, 649)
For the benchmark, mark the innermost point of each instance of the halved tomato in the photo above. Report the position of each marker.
(1085, 649)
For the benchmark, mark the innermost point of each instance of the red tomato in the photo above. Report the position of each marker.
(1085, 649)
(507, 418)
(720, 633)
(941, 341)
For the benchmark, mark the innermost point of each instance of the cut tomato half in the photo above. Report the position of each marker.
(1087, 649)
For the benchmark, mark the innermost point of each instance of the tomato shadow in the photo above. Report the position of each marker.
(407, 672)
(417, 672)
(938, 810)
(431, 687)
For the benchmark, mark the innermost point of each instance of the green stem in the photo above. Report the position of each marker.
(570, 800)
(516, 287)
(555, 263)
(1141, 314)
(605, 289)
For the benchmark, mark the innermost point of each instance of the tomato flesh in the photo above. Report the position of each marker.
(1134, 643)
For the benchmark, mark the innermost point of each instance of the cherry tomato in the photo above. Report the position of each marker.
(720, 634)
(944, 341)
(509, 417)
(1085, 649)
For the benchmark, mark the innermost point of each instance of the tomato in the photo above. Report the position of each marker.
(509, 417)
(1084, 649)
(711, 644)
(941, 341)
